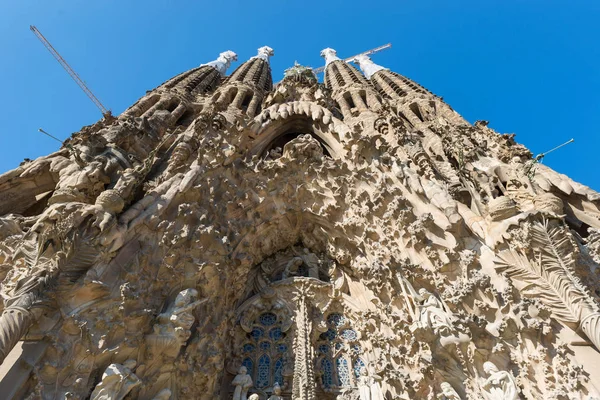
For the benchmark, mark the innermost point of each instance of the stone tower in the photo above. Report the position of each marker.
(227, 238)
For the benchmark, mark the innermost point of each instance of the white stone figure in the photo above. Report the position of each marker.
(222, 63)
(164, 394)
(242, 383)
(367, 66)
(117, 381)
(276, 392)
(448, 392)
(368, 386)
(431, 311)
(500, 385)
(264, 53)
(329, 55)
(254, 396)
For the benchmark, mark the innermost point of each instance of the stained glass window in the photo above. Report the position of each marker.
(278, 374)
(267, 319)
(264, 369)
(257, 333)
(327, 373)
(265, 352)
(341, 369)
(340, 341)
(275, 334)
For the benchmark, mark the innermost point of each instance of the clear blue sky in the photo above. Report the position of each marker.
(529, 67)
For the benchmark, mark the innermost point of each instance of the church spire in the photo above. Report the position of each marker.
(367, 66)
(222, 63)
(329, 55)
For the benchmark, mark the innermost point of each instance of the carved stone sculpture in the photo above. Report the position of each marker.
(368, 386)
(117, 381)
(448, 392)
(276, 393)
(242, 383)
(500, 385)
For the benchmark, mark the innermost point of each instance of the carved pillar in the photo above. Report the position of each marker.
(14, 323)
(304, 374)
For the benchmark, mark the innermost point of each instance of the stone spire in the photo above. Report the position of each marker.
(367, 66)
(264, 53)
(222, 63)
(329, 55)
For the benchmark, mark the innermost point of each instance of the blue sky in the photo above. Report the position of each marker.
(529, 67)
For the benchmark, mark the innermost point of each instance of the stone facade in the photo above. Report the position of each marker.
(227, 238)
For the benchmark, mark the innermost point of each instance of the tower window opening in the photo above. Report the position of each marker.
(363, 96)
(231, 95)
(414, 107)
(172, 106)
(246, 101)
(349, 100)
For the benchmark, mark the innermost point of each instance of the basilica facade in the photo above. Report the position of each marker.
(230, 238)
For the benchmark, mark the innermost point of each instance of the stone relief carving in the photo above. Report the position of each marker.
(117, 381)
(500, 385)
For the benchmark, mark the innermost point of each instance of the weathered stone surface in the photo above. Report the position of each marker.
(358, 239)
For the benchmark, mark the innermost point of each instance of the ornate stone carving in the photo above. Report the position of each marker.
(350, 239)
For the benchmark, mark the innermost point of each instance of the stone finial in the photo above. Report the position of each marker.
(223, 62)
(329, 55)
(367, 66)
(264, 53)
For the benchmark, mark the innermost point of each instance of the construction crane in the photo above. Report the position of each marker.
(349, 59)
(105, 112)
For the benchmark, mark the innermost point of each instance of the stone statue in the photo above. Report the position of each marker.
(291, 268)
(222, 63)
(448, 392)
(242, 383)
(276, 392)
(500, 385)
(254, 396)
(117, 381)
(432, 313)
(368, 386)
(164, 394)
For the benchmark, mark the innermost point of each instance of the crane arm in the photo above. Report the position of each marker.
(349, 59)
(70, 71)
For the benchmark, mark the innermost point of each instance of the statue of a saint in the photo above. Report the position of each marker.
(117, 381)
(276, 392)
(448, 392)
(254, 396)
(242, 383)
(368, 386)
(500, 385)
(431, 311)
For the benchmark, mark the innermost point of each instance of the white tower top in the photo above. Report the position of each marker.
(330, 55)
(264, 53)
(367, 66)
(223, 62)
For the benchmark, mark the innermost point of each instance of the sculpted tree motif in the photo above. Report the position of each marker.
(550, 278)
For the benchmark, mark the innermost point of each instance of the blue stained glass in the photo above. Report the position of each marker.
(282, 348)
(248, 348)
(248, 364)
(336, 320)
(278, 373)
(275, 334)
(358, 365)
(343, 375)
(327, 373)
(257, 333)
(338, 346)
(349, 334)
(264, 346)
(329, 335)
(324, 349)
(264, 367)
(267, 319)
(356, 349)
